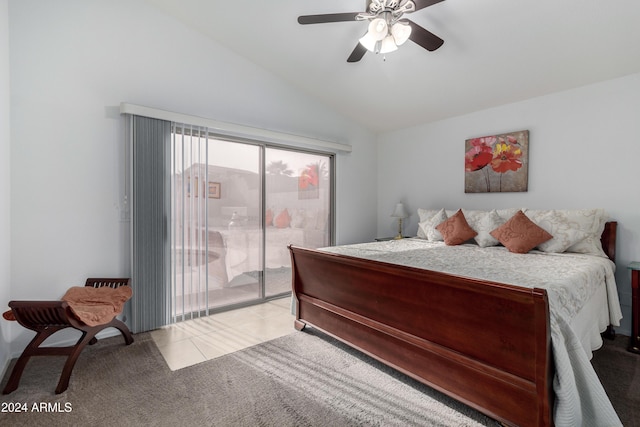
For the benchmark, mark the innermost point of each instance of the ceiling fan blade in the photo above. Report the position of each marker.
(357, 53)
(328, 17)
(421, 4)
(424, 38)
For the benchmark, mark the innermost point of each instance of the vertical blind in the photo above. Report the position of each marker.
(189, 213)
(150, 181)
(170, 231)
(164, 241)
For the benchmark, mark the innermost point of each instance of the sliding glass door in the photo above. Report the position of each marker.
(216, 230)
(236, 206)
(297, 202)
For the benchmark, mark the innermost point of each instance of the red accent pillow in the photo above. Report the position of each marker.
(268, 217)
(283, 219)
(456, 230)
(520, 234)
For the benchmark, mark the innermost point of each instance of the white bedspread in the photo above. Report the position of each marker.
(570, 281)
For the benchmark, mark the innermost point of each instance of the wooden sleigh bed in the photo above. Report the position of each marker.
(486, 344)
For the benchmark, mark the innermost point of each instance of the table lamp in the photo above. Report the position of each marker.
(400, 213)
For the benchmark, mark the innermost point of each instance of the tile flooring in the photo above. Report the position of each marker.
(193, 341)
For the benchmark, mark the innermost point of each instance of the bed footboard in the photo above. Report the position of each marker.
(485, 344)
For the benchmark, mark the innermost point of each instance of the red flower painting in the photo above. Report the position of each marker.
(496, 163)
(480, 154)
(309, 181)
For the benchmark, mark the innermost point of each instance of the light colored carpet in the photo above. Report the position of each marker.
(302, 379)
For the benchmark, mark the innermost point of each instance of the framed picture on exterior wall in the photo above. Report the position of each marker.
(497, 163)
(214, 190)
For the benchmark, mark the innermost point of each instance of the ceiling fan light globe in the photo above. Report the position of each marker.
(378, 28)
(369, 42)
(388, 45)
(400, 33)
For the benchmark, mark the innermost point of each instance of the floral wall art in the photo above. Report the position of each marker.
(308, 182)
(497, 163)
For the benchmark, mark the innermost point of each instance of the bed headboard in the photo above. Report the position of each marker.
(608, 239)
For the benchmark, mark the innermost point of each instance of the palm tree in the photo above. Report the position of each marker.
(323, 170)
(278, 167)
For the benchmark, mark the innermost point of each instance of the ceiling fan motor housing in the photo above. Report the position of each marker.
(398, 7)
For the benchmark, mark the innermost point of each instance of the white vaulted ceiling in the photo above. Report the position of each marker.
(495, 52)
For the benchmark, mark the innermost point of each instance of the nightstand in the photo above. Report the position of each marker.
(634, 341)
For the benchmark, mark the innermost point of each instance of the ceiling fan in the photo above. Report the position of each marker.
(387, 30)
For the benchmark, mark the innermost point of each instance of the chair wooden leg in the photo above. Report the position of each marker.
(32, 349)
(63, 383)
(124, 330)
(88, 337)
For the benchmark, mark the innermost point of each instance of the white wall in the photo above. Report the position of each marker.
(583, 153)
(72, 63)
(5, 135)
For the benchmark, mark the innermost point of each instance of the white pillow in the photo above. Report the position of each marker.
(483, 223)
(506, 214)
(297, 218)
(564, 233)
(581, 229)
(424, 215)
(429, 226)
(593, 221)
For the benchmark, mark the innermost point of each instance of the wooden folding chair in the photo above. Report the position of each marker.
(48, 317)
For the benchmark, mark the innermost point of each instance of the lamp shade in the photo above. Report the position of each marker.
(388, 45)
(369, 42)
(400, 32)
(378, 28)
(399, 211)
